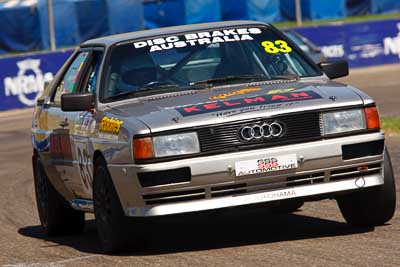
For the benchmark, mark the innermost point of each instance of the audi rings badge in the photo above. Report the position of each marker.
(260, 131)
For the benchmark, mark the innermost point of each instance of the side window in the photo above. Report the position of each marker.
(68, 83)
(91, 77)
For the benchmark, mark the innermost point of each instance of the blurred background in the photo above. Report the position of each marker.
(37, 36)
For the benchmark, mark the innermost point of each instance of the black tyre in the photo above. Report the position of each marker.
(372, 206)
(115, 230)
(55, 213)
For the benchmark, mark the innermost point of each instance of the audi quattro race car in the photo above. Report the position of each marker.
(203, 117)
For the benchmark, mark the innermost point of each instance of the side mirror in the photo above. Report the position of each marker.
(335, 69)
(77, 102)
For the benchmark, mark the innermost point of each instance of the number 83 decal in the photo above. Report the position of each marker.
(276, 47)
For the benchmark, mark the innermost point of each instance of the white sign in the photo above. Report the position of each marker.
(267, 164)
(336, 50)
(24, 83)
(392, 44)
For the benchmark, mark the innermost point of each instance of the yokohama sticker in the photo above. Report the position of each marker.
(246, 102)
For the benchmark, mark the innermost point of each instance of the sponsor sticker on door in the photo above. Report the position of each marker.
(266, 164)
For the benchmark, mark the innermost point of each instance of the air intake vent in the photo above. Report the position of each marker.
(355, 172)
(228, 190)
(148, 179)
(171, 197)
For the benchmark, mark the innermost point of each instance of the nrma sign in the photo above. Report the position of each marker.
(28, 83)
(392, 44)
(22, 78)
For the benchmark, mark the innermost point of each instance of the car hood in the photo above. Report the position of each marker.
(232, 103)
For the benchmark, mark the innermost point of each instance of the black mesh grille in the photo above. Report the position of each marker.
(148, 179)
(225, 137)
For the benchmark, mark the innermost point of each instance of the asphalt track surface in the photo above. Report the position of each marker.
(314, 236)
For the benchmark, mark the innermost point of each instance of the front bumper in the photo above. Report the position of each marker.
(233, 201)
(214, 184)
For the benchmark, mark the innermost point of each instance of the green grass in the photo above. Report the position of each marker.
(391, 124)
(292, 24)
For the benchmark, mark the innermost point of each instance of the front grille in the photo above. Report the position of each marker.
(313, 178)
(225, 137)
(226, 190)
(355, 172)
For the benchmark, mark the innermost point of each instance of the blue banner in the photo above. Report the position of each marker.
(164, 13)
(361, 44)
(22, 78)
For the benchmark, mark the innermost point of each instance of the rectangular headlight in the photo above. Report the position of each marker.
(176, 144)
(343, 121)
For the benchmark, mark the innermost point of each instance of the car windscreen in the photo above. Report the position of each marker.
(303, 45)
(176, 62)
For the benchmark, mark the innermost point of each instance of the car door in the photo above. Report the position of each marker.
(58, 157)
(82, 127)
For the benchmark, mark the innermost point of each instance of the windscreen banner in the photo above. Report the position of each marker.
(22, 78)
(361, 44)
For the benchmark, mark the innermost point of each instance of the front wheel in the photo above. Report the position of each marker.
(372, 206)
(55, 214)
(115, 230)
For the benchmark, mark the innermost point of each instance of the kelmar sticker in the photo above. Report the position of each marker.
(263, 165)
(245, 102)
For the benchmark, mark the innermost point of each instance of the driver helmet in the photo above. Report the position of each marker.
(136, 72)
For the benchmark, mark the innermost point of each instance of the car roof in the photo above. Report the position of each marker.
(117, 38)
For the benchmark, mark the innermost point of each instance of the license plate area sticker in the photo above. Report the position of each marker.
(266, 164)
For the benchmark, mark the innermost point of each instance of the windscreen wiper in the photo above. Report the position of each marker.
(156, 90)
(229, 78)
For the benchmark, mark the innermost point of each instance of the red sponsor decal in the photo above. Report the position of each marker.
(248, 101)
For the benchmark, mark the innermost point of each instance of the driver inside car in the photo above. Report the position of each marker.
(135, 72)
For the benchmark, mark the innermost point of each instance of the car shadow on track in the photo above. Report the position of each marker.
(210, 231)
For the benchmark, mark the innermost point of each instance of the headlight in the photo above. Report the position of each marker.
(166, 145)
(343, 121)
(176, 144)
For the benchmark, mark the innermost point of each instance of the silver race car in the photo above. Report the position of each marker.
(203, 117)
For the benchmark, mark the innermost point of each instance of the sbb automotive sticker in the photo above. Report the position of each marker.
(263, 165)
(245, 102)
(29, 81)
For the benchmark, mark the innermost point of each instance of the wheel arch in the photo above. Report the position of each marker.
(118, 183)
